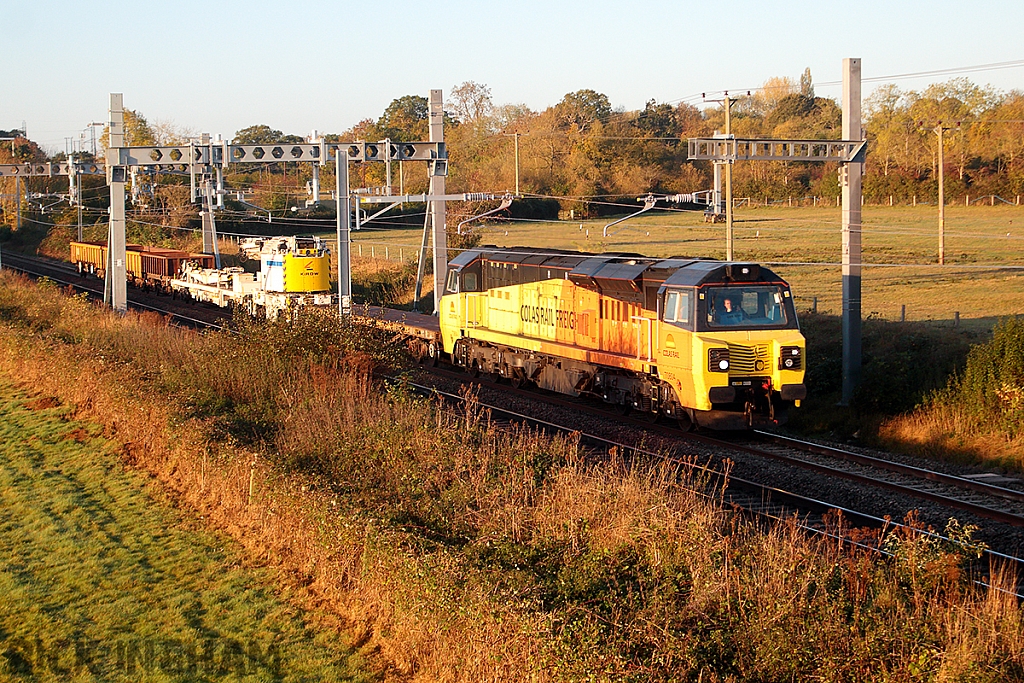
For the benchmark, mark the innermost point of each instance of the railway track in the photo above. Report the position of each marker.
(981, 498)
(66, 274)
(751, 498)
(976, 496)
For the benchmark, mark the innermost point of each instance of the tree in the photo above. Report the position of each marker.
(581, 109)
(658, 120)
(767, 96)
(806, 85)
(405, 118)
(471, 102)
(258, 135)
(137, 131)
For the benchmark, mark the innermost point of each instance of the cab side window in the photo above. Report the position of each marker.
(677, 307)
(469, 282)
(453, 282)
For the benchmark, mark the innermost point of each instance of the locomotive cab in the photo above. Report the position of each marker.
(746, 355)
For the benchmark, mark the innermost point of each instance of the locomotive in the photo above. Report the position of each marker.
(709, 343)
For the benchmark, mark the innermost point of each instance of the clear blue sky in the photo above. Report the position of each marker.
(220, 66)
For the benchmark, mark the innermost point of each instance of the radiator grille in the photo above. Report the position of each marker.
(744, 360)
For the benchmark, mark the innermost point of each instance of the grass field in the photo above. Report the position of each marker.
(900, 247)
(101, 578)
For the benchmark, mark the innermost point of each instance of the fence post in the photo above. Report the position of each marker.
(967, 200)
(890, 200)
(915, 200)
(360, 249)
(814, 304)
(956, 318)
(903, 313)
(993, 200)
(791, 201)
(373, 251)
(387, 253)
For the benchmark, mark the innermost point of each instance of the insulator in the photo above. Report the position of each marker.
(478, 196)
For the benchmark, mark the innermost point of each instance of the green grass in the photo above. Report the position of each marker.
(902, 242)
(102, 579)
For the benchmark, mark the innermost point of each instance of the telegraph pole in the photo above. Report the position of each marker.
(942, 198)
(728, 183)
(516, 136)
(727, 102)
(940, 131)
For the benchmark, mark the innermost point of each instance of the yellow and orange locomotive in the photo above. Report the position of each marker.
(706, 342)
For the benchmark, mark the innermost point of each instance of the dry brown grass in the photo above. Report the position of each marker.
(455, 550)
(944, 432)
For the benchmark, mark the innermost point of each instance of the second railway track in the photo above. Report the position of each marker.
(982, 499)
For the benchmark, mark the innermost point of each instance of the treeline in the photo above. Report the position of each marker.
(592, 157)
(582, 154)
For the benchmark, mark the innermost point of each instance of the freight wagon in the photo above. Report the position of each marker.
(147, 267)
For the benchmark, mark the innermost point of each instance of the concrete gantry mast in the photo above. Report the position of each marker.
(849, 152)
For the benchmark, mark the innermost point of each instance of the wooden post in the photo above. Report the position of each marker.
(956, 318)
(252, 479)
(903, 313)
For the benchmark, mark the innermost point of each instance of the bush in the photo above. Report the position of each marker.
(990, 392)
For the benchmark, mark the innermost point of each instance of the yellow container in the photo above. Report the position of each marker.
(306, 273)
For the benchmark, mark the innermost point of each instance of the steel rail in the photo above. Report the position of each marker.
(946, 501)
(802, 502)
(900, 468)
(41, 264)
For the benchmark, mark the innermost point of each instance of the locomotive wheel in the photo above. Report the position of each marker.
(518, 380)
(433, 352)
(473, 369)
(648, 416)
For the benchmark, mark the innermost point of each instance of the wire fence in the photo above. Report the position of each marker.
(891, 200)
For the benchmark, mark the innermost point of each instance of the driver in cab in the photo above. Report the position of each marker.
(729, 311)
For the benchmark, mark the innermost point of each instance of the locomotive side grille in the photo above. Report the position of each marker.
(744, 360)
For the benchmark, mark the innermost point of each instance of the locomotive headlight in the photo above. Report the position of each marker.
(790, 358)
(718, 360)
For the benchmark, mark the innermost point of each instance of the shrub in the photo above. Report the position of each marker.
(990, 391)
